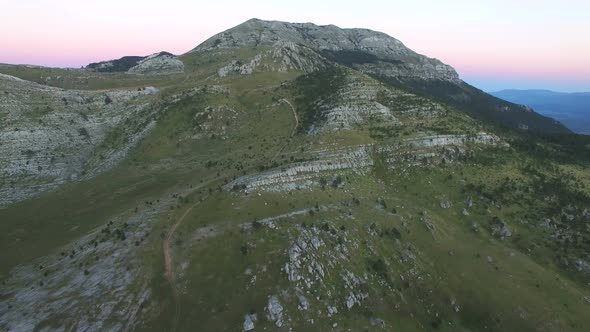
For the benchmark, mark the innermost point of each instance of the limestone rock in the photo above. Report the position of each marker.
(332, 310)
(377, 322)
(583, 266)
(303, 303)
(445, 204)
(500, 229)
(162, 63)
(249, 320)
(274, 311)
(50, 136)
(350, 300)
(390, 56)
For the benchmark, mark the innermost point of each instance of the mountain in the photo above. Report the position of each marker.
(386, 59)
(157, 63)
(289, 177)
(571, 109)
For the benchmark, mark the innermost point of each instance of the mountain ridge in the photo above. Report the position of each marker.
(255, 32)
(386, 58)
(570, 108)
(281, 187)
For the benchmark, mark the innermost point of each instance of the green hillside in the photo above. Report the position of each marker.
(270, 186)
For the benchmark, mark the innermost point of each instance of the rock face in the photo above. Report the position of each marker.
(282, 57)
(374, 53)
(445, 204)
(275, 311)
(120, 65)
(369, 50)
(50, 136)
(500, 229)
(352, 105)
(104, 295)
(249, 322)
(162, 63)
(583, 266)
(352, 159)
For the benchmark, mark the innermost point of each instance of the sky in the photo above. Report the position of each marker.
(493, 44)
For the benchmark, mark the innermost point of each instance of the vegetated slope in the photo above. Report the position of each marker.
(572, 109)
(386, 58)
(385, 210)
(50, 136)
(157, 63)
(119, 65)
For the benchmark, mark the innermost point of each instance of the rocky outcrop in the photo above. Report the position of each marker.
(95, 283)
(352, 105)
(50, 135)
(582, 266)
(162, 63)
(291, 56)
(445, 204)
(329, 163)
(274, 311)
(500, 229)
(304, 174)
(282, 57)
(238, 68)
(248, 324)
(120, 65)
(369, 50)
(443, 140)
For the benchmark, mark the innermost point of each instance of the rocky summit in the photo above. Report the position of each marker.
(286, 177)
(373, 52)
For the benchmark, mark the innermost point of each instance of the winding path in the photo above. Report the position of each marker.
(293, 132)
(294, 114)
(167, 257)
(169, 271)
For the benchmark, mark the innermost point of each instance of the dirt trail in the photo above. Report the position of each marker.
(294, 114)
(169, 272)
(293, 132)
(167, 257)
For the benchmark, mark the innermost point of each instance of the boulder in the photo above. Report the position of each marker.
(582, 266)
(249, 322)
(350, 300)
(445, 204)
(303, 303)
(274, 311)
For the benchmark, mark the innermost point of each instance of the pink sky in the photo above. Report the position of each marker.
(499, 44)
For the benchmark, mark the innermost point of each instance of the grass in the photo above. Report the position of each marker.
(42, 225)
(216, 292)
(416, 263)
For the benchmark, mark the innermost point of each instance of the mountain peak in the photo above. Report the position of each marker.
(362, 47)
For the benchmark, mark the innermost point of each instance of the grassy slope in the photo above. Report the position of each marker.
(214, 293)
(166, 160)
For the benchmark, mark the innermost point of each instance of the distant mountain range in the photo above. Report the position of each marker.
(571, 109)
